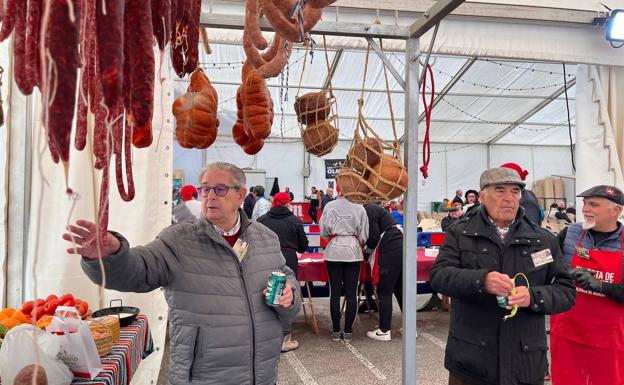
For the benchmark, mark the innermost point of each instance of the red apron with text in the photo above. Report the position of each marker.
(587, 342)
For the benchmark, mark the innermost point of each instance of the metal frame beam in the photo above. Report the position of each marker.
(410, 236)
(329, 28)
(397, 91)
(386, 61)
(332, 69)
(432, 16)
(532, 111)
(481, 10)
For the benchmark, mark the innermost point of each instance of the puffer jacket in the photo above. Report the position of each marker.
(221, 330)
(482, 348)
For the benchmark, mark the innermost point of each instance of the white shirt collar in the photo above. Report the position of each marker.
(232, 231)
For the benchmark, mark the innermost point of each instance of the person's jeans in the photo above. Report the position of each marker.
(343, 274)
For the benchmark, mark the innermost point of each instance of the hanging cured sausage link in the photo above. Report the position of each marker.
(8, 20)
(140, 62)
(22, 79)
(33, 29)
(109, 23)
(161, 22)
(62, 37)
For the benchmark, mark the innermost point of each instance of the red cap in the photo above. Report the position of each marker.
(516, 167)
(281, 198)
(187, 192)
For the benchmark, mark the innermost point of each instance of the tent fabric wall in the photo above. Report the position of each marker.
(54, 271)
(600, 129)
(4, 187)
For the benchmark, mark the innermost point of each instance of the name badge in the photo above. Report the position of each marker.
(582, 252)
(542, 257)
(240, 248)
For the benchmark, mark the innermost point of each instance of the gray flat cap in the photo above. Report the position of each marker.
(500, 175)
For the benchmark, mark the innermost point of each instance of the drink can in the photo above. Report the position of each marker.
(275, 288)
(502, 301)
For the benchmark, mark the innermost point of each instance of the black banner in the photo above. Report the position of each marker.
(332, 167)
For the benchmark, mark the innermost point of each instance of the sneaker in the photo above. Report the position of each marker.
(289, 344)
(378, 335)
(347, 337)
(335, 336)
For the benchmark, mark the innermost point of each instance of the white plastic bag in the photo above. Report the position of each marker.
(19, 349)
(78, 350)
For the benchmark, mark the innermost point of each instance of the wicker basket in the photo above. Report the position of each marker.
(320, 138)
(102, 336)
(112, 323)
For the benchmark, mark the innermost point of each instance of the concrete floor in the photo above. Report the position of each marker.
(320, 361)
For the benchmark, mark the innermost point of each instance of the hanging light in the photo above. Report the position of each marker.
(615, 26)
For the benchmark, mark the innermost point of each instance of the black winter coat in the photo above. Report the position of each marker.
(289, 230)
(381, 220)
(248, 205)
(482, 348)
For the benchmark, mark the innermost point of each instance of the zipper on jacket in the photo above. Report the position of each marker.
(195, 351)
(253, 328)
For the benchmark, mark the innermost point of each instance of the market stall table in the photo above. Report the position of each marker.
(311, 268)
(134, 344)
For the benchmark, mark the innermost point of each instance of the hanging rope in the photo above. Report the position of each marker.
(428, 107)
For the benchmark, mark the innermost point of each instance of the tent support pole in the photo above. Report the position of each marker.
(410, 250)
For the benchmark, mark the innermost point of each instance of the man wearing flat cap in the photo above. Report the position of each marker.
(476, 267)
(587, 342)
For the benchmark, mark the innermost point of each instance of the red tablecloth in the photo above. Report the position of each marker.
(312, 267)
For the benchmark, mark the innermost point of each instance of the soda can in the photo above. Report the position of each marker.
(275, 288)
(502, 301)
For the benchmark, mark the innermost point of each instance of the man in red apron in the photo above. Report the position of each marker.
(587, 342)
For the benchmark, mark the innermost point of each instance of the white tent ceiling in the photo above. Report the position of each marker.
(487, 99)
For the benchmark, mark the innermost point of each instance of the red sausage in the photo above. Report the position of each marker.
(8, 20)
(62, 39)
(140, 58)
(22, 79)
(109, 28)
(33, 29)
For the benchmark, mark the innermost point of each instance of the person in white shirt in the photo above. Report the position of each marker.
(345, 226)
(262, 206)
(190, 206)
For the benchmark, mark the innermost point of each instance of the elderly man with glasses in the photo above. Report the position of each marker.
(214, 272)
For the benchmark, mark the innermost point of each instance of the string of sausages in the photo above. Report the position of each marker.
(93, 61)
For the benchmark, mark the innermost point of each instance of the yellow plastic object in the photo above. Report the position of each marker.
(514, 309)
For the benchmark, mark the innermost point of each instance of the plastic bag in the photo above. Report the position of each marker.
(19, 349)
(78, 350)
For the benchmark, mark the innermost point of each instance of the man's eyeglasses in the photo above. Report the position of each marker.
(220, 190)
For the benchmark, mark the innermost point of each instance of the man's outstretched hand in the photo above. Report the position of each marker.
(83, 236)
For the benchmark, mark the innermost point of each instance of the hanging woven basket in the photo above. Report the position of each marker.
(353, 186)
(389, 177)
(313, 107)
(373, 169)
(317, 116)
(320, 138)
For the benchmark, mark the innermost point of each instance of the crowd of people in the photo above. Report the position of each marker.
(503, 271)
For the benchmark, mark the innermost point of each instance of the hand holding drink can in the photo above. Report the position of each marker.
(275, 288)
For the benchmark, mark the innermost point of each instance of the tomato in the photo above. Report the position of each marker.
(69, 302)
(28, 307)
(83, 308)
(51, 296)
(50, 307)
(37, 313)
(65, 297)
(40, 302)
